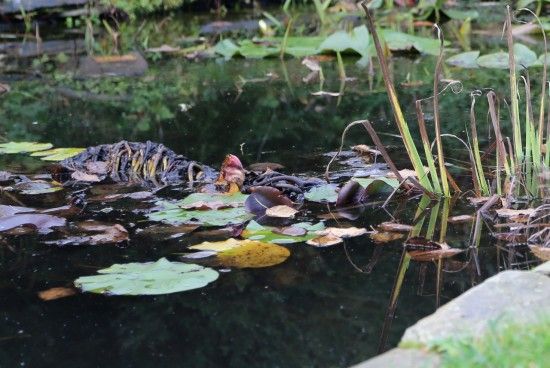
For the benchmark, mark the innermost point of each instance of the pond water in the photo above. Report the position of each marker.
(321, 307)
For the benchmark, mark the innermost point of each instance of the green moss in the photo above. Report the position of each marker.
(503, 346)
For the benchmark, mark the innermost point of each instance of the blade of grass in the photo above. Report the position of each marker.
(427, 147)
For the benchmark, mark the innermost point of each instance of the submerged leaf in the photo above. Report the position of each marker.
(23, 147)
(150, 278)
(56, 293)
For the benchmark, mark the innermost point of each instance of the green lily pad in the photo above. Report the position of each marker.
(322, 193)
(150, 278)
(523, 55)
(58, 154)
(213, 200)
(226, 48)
(171, 213)
(378, 184)
(399, 41)
(24, 147)
(461, 14)
(255, 231)
(464, 60)
(358, 41)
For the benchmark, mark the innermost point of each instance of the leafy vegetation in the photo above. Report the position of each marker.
(505, 345)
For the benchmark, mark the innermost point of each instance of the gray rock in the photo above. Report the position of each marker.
(543, 268)
(513, 296)
(402, 358)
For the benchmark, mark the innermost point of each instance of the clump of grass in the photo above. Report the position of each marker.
(504, 345)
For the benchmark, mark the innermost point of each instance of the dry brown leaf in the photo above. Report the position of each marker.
(56, 293)
(282, 211)
(114, 58)
(431, 255)
(395, 227)
(82, 176)
(460, 218)
(347, 232)
(325, 241)
(541, 252)
(508, 213)
(385, 236)
(476, 201)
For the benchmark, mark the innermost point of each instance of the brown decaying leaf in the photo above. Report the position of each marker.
(508, 213)
(385, 236)
(511, 237)
(395, 227)
(290, 231)
(325, 241)
(421, 243)
(363, 149)
(476, 201)
(114, 58)
(85, 177)
(56, 293)
(351, 194)
(344, 232)
(460, 218)
(431, 255)
(103, 233)
(281, 211)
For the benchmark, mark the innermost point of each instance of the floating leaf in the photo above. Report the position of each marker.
(385, 236)
(523, 56)
(226, 48)
(150, 278)
(219, 246)
(56, 293)
(394, 226)
(253, 254)
(460, 14)
(43, 223)
(213, 200)
(464, 60)
(281, 211)
(421, 243)
(322, 193)
(36, 187)
(443, 251)
(358, 41)
(23, 147)
(172, 214)
(351, 194)
(58, 154)
(399, 41)
(296, 233)
(377, 184)
(263, 198)
(325, 241)
(95, 233)
(460, 218)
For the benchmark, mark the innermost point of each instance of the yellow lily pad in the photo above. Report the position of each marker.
(254, 254)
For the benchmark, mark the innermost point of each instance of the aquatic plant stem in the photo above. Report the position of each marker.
(437, 120)
(396, 108)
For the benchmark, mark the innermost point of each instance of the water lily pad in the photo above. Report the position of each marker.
(399, 41)
(150, 278)
(171, 213)
(58, 154)
(322, 193)
(213, 200)
(378, 184)
(358, 41)
(465, 60)
(42, 222)
(24, 147)
(295, 233)
(36, 187)
(524, 57)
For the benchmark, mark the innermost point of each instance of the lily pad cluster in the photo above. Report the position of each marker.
(43, 150)
(357, 42)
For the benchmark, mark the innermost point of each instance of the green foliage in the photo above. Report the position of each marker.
(504, 345)
(24, 147)
(135, 7)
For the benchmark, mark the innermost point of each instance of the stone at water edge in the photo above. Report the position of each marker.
(510, 296)
(402, 358)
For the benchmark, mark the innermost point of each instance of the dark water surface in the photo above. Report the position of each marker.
(320, 308)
